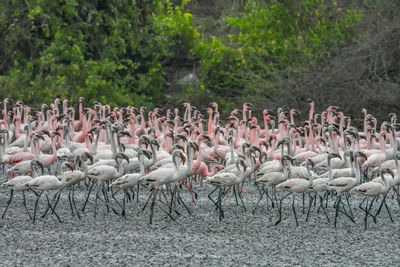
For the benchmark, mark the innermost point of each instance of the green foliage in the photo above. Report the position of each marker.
(125, 52)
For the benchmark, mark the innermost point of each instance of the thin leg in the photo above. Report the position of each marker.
(294, 210)
(387, 208)
(8, 203)
(36, 204)
(280, 209)
(337, 205)
(70, 201)
(73, 201)
(221, 213)
(321, 205)
(153, 204)
(366, 215)
(258, 202)
(148, 199)
(119, 204)
(97, 197)
(234, 192)
(137, 192)
(241, 199)
(87, 197)
(183, 203)
(209, 196)
(24, 202)
(104, 190)
(48, 203)
(310, 204)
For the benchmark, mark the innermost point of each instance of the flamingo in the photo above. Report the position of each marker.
(129, 180)
(373, 189)
(105, 173)
(272, 179)
(161, 177)
(20, 184)
(45, 183)
(223, 180)
(294, 186)
(345, 184)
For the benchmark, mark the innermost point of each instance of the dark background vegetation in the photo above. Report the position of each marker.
(159, 53)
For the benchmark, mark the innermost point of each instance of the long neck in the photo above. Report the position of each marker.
(141, 165)
(120, 169)
(311, 139)
(382, 143)
(394, 141)
(311, 111)
(197, 163)
(175, 162)
(85, 170)
(80, 111)
(112, 142)
(331, 143)
(154, 159)
(309, 172)
(212, 173)
(190, 160)
(26, 142)
(329, 169)
(32, 147)
(53, 146)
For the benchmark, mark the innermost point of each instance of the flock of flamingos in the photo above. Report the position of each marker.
(115, 154)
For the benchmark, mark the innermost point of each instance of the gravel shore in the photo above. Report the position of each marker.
(199, 239)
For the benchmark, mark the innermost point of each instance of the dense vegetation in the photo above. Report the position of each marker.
(272, 53)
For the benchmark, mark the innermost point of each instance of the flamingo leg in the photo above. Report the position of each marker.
(209, 196)
(70, 202)
(24, 202)
(221, 213)
(310, 204)
(8, 203)
(108, 205)
(53, 200)
(366, 214)
(294, 209)
(241, 199)
(97, 197)
(258, 202)
(148, 199)
(387, 209)
(155, 193)
(104, 190)
(241, 189)
(73, 201)
(227, 194)
(119, 204)
(336, 206)
(137, 192)
(87, 197)
(234, 192)
(380, 208)
(169, 214)
(280, 209)
(366, 208)
(36, 204)
(51, 207)
(180, 200)
(348, 204)
(322, 206)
